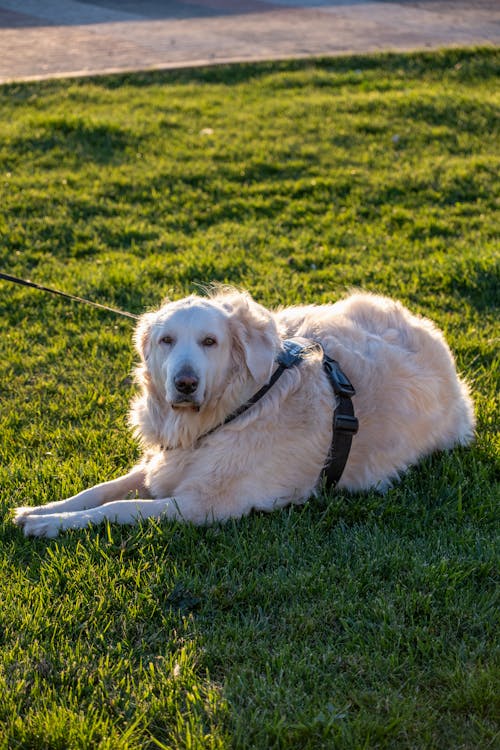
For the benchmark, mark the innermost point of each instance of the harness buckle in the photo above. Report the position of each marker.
(341, 384)
(346, 423)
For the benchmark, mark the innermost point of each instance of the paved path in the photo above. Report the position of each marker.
(47, 38)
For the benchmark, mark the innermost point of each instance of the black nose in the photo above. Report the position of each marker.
(186, 382)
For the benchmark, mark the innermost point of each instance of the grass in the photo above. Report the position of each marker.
(355, 621)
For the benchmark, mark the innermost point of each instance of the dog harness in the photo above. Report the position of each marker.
(345, 423)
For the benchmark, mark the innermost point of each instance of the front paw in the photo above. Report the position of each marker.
(21, 513)
(46, 526)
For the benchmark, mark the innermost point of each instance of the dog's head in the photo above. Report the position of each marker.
(196, 349)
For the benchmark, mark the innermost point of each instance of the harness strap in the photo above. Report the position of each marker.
(292, 354)
(256, 397)
(345, 424)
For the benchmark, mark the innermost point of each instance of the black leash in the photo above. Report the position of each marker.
(24, 282)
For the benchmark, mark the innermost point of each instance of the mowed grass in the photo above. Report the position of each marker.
(363, 621)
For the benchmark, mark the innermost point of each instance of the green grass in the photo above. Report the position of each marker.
(354, 622)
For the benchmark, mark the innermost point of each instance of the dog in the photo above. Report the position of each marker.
(202, 358)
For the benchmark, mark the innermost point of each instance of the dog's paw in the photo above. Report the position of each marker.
(47, 526)
(21, 513)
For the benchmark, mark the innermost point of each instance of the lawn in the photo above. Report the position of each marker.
(356, 621)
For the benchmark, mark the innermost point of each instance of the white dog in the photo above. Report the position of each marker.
(203, 358)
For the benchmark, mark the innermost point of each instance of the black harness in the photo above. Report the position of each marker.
(345, 424)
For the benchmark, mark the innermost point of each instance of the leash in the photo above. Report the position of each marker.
(24, 282)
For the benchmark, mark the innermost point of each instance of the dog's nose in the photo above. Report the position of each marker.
(186, 382)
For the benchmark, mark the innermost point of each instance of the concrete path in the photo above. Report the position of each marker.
(48, 38)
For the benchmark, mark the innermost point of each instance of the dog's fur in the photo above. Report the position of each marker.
(409, 402)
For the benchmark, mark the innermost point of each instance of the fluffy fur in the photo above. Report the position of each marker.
(201, 358)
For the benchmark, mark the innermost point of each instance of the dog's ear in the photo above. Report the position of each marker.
(255, 336)
(142, 335)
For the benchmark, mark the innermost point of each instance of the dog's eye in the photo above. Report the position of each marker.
(208, 341)
(166, 340)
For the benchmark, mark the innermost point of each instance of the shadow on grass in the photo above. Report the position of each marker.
(463, 65)
(479, 285)
(474, 63)
(76, 137)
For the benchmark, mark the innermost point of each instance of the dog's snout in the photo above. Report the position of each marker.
(186, 382)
